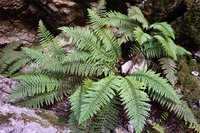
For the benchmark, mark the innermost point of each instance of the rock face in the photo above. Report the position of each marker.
(19, 18)
(22, 120)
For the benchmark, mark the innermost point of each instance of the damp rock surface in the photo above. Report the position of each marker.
(17, 119)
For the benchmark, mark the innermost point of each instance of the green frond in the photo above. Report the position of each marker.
(136, 14)
(181, 51)
(167, 44)
(10, 57)
(11, 46)
(44, 35)
(86, 69)
(98, 95)
(44, 61)
(164, 27)
(100, 9)
(18, 64)
(157, 86)
(158, 128)
(152, 50)
(76, 56)
(33, 84)
(135, 101)
(183, 111)
(76, 100)
(110, 43)
(140, 36)
(107, 117)
(119, 20)
(126, 32)
(76, 128)
(195, 127)
(47, 40)
(169, 67)
(38, 100)
(86, 40)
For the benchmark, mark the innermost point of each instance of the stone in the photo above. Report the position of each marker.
(137, 66)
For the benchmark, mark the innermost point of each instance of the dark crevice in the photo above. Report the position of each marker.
(179, 11)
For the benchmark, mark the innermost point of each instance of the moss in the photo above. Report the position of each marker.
(187, 27)
(5, 118)
(194, 95)
(28, 118)
(193, 65)
(181, 77)
(184, 67)
(191, 82)
(58, 121)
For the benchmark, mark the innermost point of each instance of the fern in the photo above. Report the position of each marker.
(167, 44)
(33, 84)
(95, 102)
(140, 36)
(168, 65)
(158, 128)
(98, 95)
(136, 14)
(156, 85)
(38, 100)
(135, 102)
(165, 28)
(107, 117)
(195, 127)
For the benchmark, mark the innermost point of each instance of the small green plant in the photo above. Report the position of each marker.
(95, 104)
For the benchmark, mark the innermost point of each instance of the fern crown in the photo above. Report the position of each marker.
(89, 73)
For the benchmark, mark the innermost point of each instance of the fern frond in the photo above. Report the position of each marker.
(135, 101)
(183, 111)
(47, 40)
(158, 128)
(76, 56)
(86, 69)
(107, 117)
(11, 46)
(153, 50)
(98, 95)
(156, 84)
(164, 27)
(18, 64)
(38, 100)
(76, 128)
(100, 9)
(44, 61)
(9, 58)
(86, 40)
(167, 44)
(140, 36)
(136, 14)
(110, 43)
(33, 84)
(119, 20)
(44, 34)
(169, 67)
(195, 127)
(181, 51)
(77, 101)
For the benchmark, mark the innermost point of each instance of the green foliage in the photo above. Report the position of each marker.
(95, 103)
(168, 65)
(158, 128)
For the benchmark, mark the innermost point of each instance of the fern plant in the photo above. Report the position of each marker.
(96, 100)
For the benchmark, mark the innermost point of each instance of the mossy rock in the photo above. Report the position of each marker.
(194, 95)
(191, 82)
(184, 67)
(181, 77)
(193, 65)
